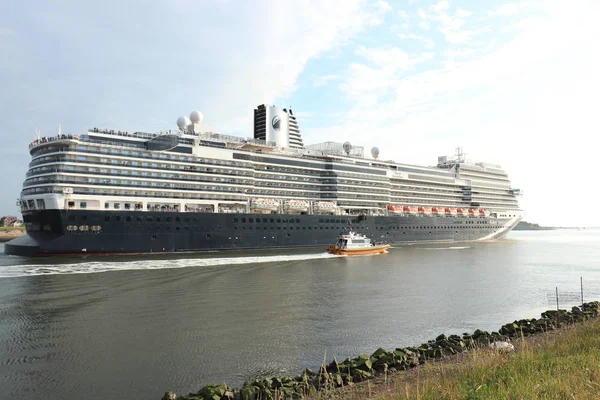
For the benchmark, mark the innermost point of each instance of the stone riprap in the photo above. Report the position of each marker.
(365, 367)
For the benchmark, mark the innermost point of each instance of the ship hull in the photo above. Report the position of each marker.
(133, 232)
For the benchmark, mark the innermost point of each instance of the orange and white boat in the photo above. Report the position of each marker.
(424, 210)
(409, 210)
(394, 209)
(450, 211)
(356, 244)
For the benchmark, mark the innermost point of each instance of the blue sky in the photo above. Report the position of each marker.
(513, 83)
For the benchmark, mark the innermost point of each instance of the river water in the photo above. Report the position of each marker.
(132, 327)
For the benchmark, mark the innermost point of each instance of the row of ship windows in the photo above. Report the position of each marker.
(95, 150)
(172, 186)
(233, 181)
(140, 154)
(256, 167)
(147, 154)
(449, 186)
(398, 196)
(199, 176)
(114, 182)
(98, 228)
(483, 177)
(137, 206)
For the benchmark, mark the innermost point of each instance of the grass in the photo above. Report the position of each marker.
(11, 228)
(564, 364)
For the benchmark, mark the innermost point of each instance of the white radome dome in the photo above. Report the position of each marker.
(183, 122)
(347, 146)
(375, 152)
(196, 117)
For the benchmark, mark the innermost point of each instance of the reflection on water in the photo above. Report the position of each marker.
(140, 326)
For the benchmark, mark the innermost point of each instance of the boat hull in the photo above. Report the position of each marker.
(359, 251)
(172, 232)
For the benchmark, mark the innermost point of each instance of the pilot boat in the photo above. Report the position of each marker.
(356, 244)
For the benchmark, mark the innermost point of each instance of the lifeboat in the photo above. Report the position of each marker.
(472, 212)
(450, 211)
(324, 205)
(409, 210)
(264, 204)
(356, 244)
(460, 212)
(394, 209)
(424, 210)
(483, 213)
(437, 210)
(298, 205)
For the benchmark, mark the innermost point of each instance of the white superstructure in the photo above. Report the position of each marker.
(194, 169)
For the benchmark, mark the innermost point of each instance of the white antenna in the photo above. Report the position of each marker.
(59, 129)
(460, 155)
(37, 133)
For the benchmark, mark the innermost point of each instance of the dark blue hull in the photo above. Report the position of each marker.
(81, 232)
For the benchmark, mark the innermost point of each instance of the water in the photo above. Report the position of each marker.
(134, 327)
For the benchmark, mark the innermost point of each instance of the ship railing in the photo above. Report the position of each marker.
(49, 139)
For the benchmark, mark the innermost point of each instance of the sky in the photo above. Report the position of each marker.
(512, 83)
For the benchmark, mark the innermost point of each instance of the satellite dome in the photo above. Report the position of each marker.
(196, 117)
(182, 122)
(375, 152)
(347, 147)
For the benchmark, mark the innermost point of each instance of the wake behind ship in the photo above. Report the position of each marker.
(109, 192)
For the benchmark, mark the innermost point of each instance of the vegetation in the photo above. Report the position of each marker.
(11, 228)
(563, 364)
(542, 369)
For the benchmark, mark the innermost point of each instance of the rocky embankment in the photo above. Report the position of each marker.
(364, 367)
(9, 234)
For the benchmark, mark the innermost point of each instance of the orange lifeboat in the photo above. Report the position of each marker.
(437, 210)
(472, 212)
(409, 210)
(450, 211)
(483, 213)
(424, 210)
(460, 211)
(394, 209)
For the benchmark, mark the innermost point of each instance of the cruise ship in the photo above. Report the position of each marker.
(191, 190)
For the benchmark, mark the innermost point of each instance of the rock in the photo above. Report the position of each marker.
(337, 379)
(379, 353)
(502, 347)
(169, 396)
(362, 375)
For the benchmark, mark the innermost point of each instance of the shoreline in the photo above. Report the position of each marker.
(9, 233)
(363, 373)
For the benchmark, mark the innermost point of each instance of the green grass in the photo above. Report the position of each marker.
(563, 364)
(11, 228)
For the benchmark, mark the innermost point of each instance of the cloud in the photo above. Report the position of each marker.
(325, 80)
(428, 42)
(139, 68)
(382, 6)
(451, 26)
(526, 103)
(514, 8)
